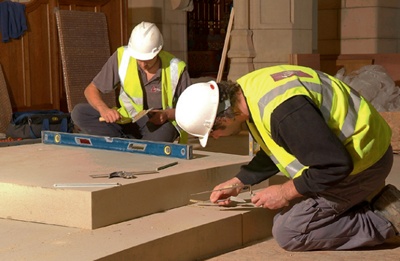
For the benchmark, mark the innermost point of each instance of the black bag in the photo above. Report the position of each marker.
(29, 124)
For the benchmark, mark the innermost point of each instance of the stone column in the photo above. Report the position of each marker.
(266, 32)
(241, 51)
(280, 28)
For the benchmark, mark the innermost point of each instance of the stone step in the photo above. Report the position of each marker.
(192, 232)
(29, 172)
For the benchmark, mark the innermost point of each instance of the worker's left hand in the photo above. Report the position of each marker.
(271, 198)
(159, 117)
(222, 193)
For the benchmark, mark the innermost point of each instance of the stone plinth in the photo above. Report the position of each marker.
(29, 172)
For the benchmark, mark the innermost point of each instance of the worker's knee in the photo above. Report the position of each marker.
(288, 239)
(77, 112)
(284, 236)
(290, 229)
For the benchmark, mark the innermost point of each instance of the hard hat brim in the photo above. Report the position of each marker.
(203, 140)
(141, 56)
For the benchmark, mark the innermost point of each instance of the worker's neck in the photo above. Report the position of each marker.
(153, 67)
(242, 106)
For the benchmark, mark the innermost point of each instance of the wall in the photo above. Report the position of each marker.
(358, 26)
(266, 31)
(172, 23)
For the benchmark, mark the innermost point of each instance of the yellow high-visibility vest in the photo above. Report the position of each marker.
(361, 129)
(131, 93)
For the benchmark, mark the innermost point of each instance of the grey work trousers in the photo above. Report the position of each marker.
(87, 119)
(339, 218)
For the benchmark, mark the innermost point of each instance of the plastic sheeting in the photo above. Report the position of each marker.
(374, 83)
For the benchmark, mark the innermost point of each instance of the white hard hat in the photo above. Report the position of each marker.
(196, 109)
(145, 42)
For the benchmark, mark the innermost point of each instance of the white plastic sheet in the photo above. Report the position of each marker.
(374, 83)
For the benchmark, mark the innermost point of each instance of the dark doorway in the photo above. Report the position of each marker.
(207, 25)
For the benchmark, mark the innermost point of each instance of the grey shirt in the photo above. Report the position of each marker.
(108, 80)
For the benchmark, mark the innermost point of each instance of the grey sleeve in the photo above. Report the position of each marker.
(108, 78)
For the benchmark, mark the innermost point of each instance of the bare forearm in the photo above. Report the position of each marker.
(289, 191)
(94, 98)
(170, 114)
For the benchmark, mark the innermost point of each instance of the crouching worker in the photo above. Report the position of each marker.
(327, 139)
(150, 78)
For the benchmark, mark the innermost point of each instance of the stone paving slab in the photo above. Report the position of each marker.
(187, 233)
(29, 172)
(270, 250)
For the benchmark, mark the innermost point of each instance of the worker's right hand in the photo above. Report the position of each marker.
(224, 191)
(109, 115)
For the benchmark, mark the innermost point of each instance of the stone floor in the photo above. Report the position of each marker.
(269, 250)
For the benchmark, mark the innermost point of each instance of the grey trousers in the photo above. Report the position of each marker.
(87, 119)
(339, 218)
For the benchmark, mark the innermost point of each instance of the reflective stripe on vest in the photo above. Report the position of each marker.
(291, 169)
(174, 74)
(123, 96)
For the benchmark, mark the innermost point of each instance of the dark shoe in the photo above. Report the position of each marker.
(387, 205)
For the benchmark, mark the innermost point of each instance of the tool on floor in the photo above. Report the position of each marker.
(232, 198)
(131, 174)
(125, 120)
(123, 174)
(85, 185)
(244, 189)
(174, 150)
(167, 165)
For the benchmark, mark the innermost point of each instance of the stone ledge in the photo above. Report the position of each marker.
(30, 171)
(185, 233)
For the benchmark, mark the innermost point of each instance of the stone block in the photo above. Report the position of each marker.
(270, 47)
(393, 119)
(371, 22)
(186, 233)
(29, 173)
(370, 3)
(269, 14)
(358, 23)
(362, 46)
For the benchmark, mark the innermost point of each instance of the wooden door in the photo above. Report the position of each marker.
(31, 64)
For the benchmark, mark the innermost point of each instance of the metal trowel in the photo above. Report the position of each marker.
(126, 120)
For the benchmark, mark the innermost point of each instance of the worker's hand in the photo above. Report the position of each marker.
(224, 192)
(159, 117)
(109, 115)
(272, 198)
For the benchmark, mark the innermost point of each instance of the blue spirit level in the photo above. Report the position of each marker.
(182, 151)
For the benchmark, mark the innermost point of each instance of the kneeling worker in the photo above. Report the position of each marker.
(327, 139)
